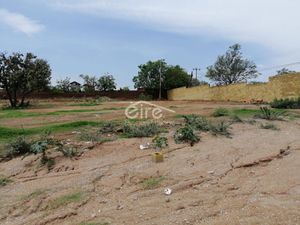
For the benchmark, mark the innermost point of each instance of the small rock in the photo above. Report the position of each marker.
(168, 200)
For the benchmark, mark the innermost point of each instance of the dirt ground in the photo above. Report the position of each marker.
(251, 178)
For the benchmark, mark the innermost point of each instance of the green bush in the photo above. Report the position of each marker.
(286, 103)
(17, 147)
(197, 122)
(160, 142)
(186, 135)
(141, 130)
(220, 112)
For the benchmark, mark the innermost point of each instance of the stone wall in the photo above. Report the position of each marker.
(283, 86)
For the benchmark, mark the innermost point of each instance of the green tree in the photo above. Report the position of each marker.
(106, 83)
(171, 76)
(63, 84)
(149, 73)
(90, 83)
(175, 77)
(232, 68)
(22, 74)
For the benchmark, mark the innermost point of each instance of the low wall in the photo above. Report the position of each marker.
(283, 86)
(130, 95)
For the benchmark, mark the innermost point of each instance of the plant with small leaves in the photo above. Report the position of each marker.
(160, 142)
(268, 114)
(197, 122)
(186, 135)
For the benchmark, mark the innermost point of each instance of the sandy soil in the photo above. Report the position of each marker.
(251, 178)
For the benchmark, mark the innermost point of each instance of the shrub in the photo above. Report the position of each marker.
(220, 112)
(268, 114)
(160, 142)
(270, 126)
(186, 135)
(145, 97)
(108, 127)
(197, 122)
(19, 146)
(287, 103)
(141, 130)
(220, 128)
(4, 181)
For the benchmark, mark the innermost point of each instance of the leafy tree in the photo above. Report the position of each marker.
(175, 77)
(64, 84)
(285, 71)
(90, 83)
(232, 68)
(22, 74)
(171, 76)
(149, 73)
(106, 83)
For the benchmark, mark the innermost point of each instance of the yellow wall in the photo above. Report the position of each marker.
(284, 86)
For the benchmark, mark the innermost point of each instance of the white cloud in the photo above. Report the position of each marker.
(270, 23)
(19, 22)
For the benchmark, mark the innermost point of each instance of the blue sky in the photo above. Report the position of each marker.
(99, 36)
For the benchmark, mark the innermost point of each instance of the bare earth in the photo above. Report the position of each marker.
(251, 178)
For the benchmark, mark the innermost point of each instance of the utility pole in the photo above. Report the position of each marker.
(197, 69)
(160, 70)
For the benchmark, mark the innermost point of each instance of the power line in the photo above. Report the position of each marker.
(280, 66)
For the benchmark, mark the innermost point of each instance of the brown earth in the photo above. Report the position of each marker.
(251, 178)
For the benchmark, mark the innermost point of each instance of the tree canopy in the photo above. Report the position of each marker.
(232, 68)
(171, 76)
(106, 83)
(22, 74)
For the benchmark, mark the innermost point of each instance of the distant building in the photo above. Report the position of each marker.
(75, 86)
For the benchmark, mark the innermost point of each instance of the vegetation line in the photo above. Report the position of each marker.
(9, 133)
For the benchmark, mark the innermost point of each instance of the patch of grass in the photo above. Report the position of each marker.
(269, 126)
(152, 182)
(141, 130)
(269, 114)
(22, 113)
(220, 112)
(186, 135)
(65, 200)
(85, 104)
(4, 181)
(10, 133)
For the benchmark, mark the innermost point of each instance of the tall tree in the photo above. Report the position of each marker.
(106, 83)
(90, 83)
(171, 76)
(176, 77)
(21, 74)
(149, 74)
(232, 68)
(64, 84)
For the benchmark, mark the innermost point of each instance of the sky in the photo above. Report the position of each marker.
(115, 36)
